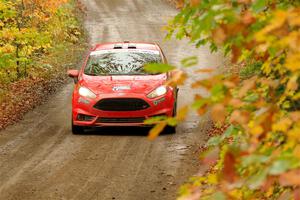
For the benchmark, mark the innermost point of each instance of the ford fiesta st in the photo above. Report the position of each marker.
(113, 89)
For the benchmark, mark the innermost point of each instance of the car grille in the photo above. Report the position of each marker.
(121, 104)
(120, 120)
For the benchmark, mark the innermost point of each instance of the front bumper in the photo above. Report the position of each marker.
(163, 105)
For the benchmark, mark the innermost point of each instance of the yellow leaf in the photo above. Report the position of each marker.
(257, 130)
(292, 84)
(294, 18)
(297, 151)
(156, 130)
(293, 62)
(278, 20)
(270, 192)
(266, 67)
(296, 96)
(236, 194)
(212, 179)
(282, 125)
(294, 134)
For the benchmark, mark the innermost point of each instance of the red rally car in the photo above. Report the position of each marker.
(113, 89)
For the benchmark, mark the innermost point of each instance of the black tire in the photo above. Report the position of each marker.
(170, 130)
(77, 130)
(175, 104)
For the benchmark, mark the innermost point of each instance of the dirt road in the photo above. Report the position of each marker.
(41, 159)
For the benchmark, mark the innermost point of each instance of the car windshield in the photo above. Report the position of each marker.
(120, 62)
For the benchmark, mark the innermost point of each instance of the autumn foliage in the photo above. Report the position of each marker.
(39, 40)
(259, 153)
(28, 30)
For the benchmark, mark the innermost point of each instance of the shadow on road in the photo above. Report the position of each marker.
(118, 131)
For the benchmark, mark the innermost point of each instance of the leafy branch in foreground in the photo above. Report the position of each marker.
(259, 154)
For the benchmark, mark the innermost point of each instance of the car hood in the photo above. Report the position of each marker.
(122, 84)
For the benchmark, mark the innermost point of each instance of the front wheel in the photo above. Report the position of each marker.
(170, 129)
(77, 130)
(175, 104)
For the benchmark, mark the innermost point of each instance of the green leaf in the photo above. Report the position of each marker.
(172, 121)
(158, 68)
(254, 159)
(214, 141)
(259, 5)
(190, 61)
(230, 131)
(283, 164)
(199, 103)
(217, 92)
(218, 196)
(258, 179)
(201, 42)
(278, 167)
(251, 98)
(213, 48)
(155, 120)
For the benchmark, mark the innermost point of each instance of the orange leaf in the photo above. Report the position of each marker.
(295, 116)
(236, 53)
(291, 178)
(156, 130)
(178, 78)
(297, 194)
(248, 18)
(204, 70)
(246, 86)
(229, 169)
(202, 110)
(236, 103)
(218, 113)
(219, 36)
(229, 84)
(238, 117)
(194, 2)
(179, 4)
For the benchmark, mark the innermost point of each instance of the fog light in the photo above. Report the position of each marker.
(156, 102)
(81, 117)
(84, 101)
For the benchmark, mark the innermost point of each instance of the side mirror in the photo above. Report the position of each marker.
(73, 73)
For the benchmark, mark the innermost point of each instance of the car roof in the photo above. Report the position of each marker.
(126, 45)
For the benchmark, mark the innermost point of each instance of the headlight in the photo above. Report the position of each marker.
(83, 91)
(161, 90)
